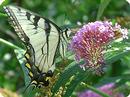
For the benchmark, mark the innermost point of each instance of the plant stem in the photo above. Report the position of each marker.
(95, 90)
(9, 44)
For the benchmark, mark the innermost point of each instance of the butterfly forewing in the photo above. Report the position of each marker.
(40, 33)
(40, 36)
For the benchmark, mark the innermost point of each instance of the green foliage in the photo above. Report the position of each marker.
(67, 12)
(78, 78)
(69, 71)
(102, 7)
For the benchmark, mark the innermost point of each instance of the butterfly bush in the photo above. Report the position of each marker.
(108, 89)
(90, 42)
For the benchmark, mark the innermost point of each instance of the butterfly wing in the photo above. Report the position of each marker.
(41, 38)
(40, 35)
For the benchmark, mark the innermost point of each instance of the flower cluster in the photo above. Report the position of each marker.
(108, 89)
(91, 40)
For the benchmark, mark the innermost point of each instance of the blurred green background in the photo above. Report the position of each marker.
(63, 13)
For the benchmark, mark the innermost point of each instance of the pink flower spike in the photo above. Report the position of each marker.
(108, 89)
(91, 40)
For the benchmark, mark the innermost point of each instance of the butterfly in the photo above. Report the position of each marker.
(42, 39)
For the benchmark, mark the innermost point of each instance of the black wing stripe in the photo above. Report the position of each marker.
(36, 19)
(28, 15)
(47, 31)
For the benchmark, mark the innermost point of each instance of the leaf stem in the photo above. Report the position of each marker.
(95, 90)
(9, 44)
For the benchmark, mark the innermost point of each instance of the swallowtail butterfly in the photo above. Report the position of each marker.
(42, 39)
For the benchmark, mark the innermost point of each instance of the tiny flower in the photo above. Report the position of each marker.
(124, 33)
(108, 89)
(89, 43)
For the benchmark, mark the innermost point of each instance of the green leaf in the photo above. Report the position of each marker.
(117, 51)
(96, 90)
(3, 15)
(73, 84)
(114, 79)
(20, 56)
(103, 5)
(116, 57)
(69, 71)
